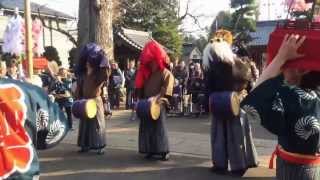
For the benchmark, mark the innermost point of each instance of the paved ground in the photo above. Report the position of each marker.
(189, 140)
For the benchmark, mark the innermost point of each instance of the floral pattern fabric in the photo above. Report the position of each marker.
(15, 144)
(28, 120)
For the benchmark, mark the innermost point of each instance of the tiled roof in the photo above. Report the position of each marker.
(12, 4)
(264, 29)
(136, 39)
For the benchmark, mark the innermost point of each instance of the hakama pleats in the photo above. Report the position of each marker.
(232, 143)
(92, 132)
(153, 135)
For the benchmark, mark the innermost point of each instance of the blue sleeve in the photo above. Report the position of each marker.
(265, 105)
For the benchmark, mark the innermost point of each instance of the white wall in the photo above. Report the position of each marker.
(60, 41)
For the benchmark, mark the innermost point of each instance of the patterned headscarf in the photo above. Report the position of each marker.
(152, 52)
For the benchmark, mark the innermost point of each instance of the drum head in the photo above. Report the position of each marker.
(91, 108)
(155, 110)
(235, 103)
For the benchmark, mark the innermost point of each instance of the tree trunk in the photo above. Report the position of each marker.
(95, 24)
(104, 31)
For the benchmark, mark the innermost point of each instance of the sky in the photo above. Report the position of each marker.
(208, 9)
(205, 9)
(67, 6)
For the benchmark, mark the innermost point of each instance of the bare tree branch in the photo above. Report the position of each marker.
(195, 18)
(196, 21)
(58, 29)
(186, 12)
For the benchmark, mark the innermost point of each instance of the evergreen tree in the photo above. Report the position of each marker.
(240, 22)
(243, 19)
(222, 21)
(157, 16)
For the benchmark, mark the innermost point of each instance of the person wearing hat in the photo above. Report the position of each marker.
(92, 74)
(154, 82)
(286, 102)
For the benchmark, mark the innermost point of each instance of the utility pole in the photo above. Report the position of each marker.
(28, 37)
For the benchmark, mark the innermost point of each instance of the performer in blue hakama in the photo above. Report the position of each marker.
(92, 75)
(154, 84)
(227, 78)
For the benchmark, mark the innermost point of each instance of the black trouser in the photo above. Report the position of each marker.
(129, 98)
(115, 97)
(68, 112)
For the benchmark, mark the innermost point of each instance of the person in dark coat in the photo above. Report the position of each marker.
(130, 75)
(116, 81)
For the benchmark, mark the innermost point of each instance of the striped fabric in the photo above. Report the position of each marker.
(232, 143)
(288, 171)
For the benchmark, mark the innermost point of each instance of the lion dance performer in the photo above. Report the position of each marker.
(154, 85)
(92, 74)
(227, 77)
(28, 121)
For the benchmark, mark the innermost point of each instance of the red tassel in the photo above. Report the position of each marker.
(274, 154)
